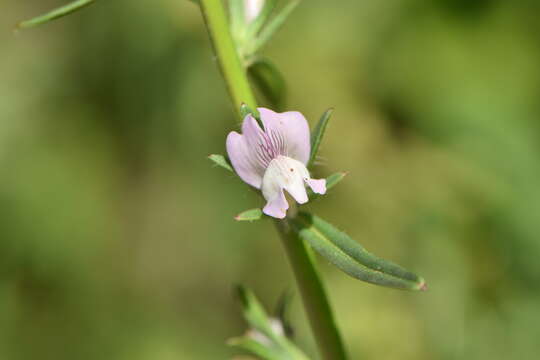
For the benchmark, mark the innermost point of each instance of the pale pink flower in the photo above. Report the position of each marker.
(274, 159)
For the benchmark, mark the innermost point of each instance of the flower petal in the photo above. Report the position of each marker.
(288, 174)
(293, 127)
(277, 206)
(317, 185)
(242, 151)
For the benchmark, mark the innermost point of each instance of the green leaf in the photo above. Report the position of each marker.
(270, 29)
(282, 312)
(221, 160)
(269, 81)
(262, 340)
(55, 14)
(256, 348)
(318, 133)
(253, 310)
(249, 215)
(349, 256)
(237, 20)
(334, 179)
(254, 313)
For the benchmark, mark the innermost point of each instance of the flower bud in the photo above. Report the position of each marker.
(252, 8)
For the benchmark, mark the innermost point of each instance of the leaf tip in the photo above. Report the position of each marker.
(423, 285)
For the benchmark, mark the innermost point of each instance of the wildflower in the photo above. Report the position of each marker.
(274, 159)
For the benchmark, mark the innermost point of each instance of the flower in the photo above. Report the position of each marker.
(252, 9)
(274, 159)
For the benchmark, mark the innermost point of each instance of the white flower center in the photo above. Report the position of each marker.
(285, 173)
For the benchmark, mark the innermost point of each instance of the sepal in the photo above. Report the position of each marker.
(317, 135)
(221, 161)
(249, 215)
(54, 14)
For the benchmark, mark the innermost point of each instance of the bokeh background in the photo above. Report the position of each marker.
(117, 238)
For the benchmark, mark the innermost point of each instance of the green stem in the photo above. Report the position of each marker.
(227, 56)
(313, 293)
(300, 256)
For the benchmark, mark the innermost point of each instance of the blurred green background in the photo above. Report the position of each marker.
(117, 238)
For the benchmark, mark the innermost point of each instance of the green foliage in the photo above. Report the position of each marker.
(55, 14)
(269, 81)
(237, 20)
(266, 337)
(269, 30)
(349, 256)
(221, 161)
(105, 203)
(249, 215)
(251, 37)
(318, 133)
(335, 179)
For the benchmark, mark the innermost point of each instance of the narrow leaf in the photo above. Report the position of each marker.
(349, 256)
(256, 348)
(269, 81)
(55, 14)
(334, 179)
(249, 215)
(262, 339)
(318, 133)
(221, 160)
(237, 20)
(254, 313)
(270, 29)
(282, 312)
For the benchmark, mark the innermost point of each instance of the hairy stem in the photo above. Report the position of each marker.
(227, 56)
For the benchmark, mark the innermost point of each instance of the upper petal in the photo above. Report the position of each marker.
(242, 151)
(293, 128)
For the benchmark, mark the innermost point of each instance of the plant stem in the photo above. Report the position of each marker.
(234, 73)
(314, 297)
(300, 256)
